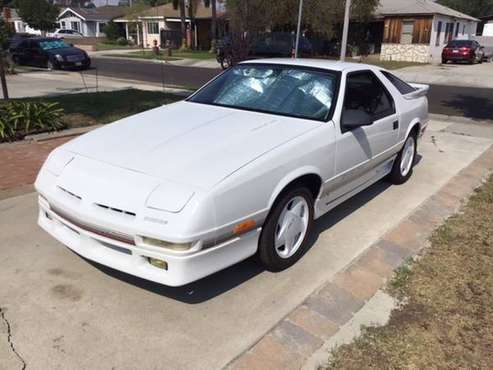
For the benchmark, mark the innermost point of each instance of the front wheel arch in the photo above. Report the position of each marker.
(310, 180)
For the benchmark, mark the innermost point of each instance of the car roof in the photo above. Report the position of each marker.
(333, 65)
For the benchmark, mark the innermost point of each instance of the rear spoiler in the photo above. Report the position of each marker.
(420, 90)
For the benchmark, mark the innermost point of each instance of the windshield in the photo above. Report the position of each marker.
(277, 89)
(53, 44)
(459, 43)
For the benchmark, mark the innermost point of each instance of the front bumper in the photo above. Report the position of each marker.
(84, 64)
(134, 260)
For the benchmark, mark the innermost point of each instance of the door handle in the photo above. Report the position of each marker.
(395, 125)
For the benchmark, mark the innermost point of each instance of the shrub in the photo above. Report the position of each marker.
(113, 31)
(122, 41)
(18, 119)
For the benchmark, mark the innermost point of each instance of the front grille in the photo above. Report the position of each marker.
(114, 235)
(117, 210)
(75, 58)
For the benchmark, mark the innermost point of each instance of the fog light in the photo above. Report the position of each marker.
(167, 245)
(158, 263)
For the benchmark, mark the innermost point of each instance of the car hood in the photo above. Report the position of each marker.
(189, 143)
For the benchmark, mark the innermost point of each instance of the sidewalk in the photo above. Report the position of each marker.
(36, 82)
(184, 62)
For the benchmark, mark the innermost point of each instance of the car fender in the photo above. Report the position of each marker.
(412, 124)
(290, 177)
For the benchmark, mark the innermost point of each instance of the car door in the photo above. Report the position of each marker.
(362, 152)
(37, 54)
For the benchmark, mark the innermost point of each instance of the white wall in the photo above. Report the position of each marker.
(467, 29)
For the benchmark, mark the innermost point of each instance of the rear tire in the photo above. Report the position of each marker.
(404, 163)
(444, 61)
(286, 231)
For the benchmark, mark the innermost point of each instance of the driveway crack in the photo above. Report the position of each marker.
(9, 338)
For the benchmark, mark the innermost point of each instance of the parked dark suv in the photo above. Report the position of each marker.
(463, 51)
(51, 53)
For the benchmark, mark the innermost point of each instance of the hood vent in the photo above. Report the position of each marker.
(69, 193)
(117, 210)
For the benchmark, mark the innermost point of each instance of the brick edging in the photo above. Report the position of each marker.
(303, 331)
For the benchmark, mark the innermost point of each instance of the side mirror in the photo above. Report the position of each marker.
(353, 118)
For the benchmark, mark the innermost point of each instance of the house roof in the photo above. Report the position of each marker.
(103, 13)
(168, 11)
(418, 7)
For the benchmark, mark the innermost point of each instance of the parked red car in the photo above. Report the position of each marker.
(463, 51)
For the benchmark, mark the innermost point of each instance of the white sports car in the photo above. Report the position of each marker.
(242, 167)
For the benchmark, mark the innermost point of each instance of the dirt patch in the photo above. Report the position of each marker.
(445, 316)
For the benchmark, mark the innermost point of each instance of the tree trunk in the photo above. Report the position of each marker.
(183, 25)
(3, 79)
(213, 26)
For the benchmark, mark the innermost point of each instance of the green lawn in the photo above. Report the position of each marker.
(201, 55)
(393, 64)
(445, 316)
(107, 46)
(92, 108)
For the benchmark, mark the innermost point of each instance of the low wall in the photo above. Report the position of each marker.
(406, 53)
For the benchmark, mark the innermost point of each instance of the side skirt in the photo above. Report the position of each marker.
(379, 172)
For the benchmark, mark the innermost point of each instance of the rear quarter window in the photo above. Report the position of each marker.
(403, 87)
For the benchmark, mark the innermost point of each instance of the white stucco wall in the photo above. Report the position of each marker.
(149, 37)
(467, 29)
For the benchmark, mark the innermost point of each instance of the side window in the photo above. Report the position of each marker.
(365, 92)
(403, 87)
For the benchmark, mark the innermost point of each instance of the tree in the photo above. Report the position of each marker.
(5, 33)
(38, 14)
(250, 17)
(181, 4)
(213, 5)
(475, 8)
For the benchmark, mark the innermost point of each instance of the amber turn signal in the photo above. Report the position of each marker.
(244, 226)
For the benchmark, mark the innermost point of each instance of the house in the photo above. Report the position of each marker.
(417, 30)
(89, 21)
(18, 25)
(162, 24)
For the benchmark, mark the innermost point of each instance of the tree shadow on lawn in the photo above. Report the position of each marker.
(232, 277)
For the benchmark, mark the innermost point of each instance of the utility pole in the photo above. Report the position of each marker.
(298, 31)
(345, 30)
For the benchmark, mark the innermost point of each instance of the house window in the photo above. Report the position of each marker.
(407, 32)
(62, 25)
(457, 29)
(439, 34)
(463, 29)
(153, 28)
(101, 27)
(75, 26)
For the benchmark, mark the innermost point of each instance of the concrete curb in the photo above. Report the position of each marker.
(321, 316)
(59, 134)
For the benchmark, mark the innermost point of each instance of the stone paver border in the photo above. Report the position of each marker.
(296, 337)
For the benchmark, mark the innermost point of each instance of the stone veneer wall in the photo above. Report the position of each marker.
(406, 52)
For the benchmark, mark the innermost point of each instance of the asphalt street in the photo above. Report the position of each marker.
(469, 102)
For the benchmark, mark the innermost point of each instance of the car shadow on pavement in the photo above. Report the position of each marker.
(232, 277)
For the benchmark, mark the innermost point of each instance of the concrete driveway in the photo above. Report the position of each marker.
(477, 75)
(66, 313)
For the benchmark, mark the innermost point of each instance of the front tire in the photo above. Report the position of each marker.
(286, 231)
(404, 163)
